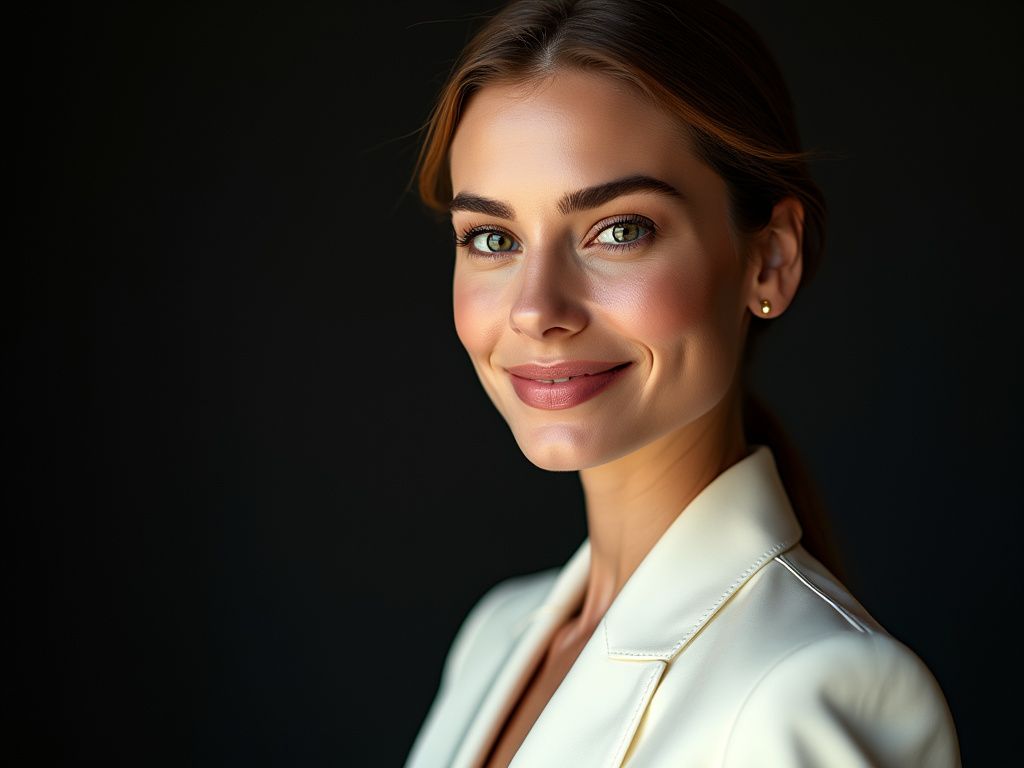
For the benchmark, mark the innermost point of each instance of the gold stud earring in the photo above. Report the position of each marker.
(766, 306)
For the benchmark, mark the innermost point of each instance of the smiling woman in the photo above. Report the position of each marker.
(665, 299)
(627, 191)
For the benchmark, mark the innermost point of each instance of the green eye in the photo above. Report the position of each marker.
(623, 232)
(495, 242)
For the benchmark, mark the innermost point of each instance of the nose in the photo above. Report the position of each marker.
(549, 301)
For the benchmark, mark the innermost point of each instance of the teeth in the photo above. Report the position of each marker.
(553, 381)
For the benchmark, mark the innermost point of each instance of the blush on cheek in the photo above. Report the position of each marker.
(661, 305)
(477, 318)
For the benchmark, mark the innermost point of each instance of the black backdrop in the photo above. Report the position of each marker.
(256, 485)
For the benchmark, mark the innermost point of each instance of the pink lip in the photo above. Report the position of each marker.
(587, 379)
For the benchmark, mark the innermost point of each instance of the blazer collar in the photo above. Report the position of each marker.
(729, 530)
(736, 524)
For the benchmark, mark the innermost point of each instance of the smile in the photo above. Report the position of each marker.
(566, 391)
(559, 381)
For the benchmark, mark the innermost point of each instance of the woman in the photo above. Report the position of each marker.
(630, 203)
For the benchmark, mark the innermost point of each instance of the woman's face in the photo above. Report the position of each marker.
(562, 270)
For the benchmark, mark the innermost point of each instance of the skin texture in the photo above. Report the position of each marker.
(677, 305)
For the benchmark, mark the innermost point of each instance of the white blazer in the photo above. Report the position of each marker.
(728, 646)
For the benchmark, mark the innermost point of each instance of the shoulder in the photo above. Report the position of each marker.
(486, 635)
(845, 699)
(495, 619)
(841, 690)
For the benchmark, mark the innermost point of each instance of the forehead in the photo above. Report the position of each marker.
(570, 130)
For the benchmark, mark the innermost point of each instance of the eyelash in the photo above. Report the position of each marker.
(465, 238)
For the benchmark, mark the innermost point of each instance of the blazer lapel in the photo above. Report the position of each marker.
(591, 719)
(732, 528)
(535, 635)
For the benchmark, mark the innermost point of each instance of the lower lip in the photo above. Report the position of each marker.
(565, 394)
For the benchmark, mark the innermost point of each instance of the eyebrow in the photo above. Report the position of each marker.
(571, 202)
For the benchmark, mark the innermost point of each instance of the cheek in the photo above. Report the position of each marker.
(476, 307)
(663, 305)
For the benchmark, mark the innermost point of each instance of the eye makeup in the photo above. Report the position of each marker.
(648, 229)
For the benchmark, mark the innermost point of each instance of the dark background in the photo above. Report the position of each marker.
(256, 485)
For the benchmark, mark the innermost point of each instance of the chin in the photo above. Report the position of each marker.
(555, 461)
(563, 448)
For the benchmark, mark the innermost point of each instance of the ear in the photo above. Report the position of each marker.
(776, 259)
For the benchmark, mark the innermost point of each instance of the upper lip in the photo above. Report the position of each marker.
(563, 369)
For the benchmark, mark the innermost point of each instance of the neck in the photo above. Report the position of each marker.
(631, 502)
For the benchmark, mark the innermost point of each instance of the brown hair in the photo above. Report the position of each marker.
(701, 62)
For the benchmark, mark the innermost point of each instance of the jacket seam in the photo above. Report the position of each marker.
(736, 584)
(802, 578)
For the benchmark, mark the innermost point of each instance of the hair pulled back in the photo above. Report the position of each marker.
(701, 62)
